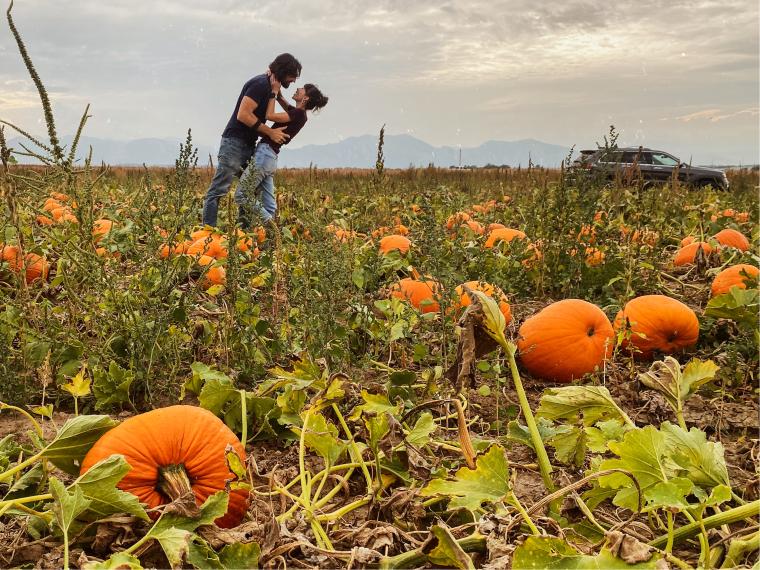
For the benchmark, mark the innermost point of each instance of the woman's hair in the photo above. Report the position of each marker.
(284, 65)
(316, 99)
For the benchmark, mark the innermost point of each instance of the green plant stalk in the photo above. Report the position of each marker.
(7, 475)
(739, 548)
(244, 416)
(344, 510)
(476, 542)
(669, 544)
(543, 458)
(354, 449)
(524, 514)
(727, 517)
(9, 503)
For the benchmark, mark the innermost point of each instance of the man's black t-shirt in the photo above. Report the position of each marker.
(297, 121)
(257, 89)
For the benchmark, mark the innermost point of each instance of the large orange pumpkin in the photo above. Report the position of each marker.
(216, 274)
(565, 341)
(211, 247)
(11, 254)
(456, 219)
(394, 243)
(657, 324)
(492, 291)
(422, 294)
(174, 447)
(503, 234)
(688, 254)
(734, 276)
(35, 267)
(100, 228)
(732, 238)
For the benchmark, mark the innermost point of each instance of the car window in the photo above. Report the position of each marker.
(613, 156)
(631, 157)
(662, 159)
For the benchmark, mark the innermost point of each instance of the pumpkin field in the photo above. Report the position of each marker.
(423, 368)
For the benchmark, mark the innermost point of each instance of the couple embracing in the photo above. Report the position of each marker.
(255, 164)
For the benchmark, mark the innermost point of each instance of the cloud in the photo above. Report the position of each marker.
(715, 115)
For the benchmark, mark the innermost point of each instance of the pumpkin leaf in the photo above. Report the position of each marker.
(201, 374)
(493, 322)
(593, 403)
(448, 552)
(240, 555)
(598, 436)
(112, 387)
(79, 386)
(676, 386)
(98, 485)
(201, 555)
(549, 552)
(321, 436)
(45, 411)
(704, 461)
(215, 394)
(376, 403)
(66, 506)
(420, 433)
(569, 443)
(470, 488)
(175, 542)
(27, 483)
(74, 440)
(739, 305)
(669, 494)
(119, 561)
(644, 453)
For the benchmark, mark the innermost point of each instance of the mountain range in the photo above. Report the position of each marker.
(400, 151)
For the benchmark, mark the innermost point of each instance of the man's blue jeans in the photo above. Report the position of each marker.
(255, 192)
(234, 156)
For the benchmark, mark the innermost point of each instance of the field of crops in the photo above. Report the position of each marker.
(397, 377)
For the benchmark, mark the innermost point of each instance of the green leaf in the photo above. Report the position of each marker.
(666, 377)
(470, 488)
(420, 433)
(543, 552)
(739, 305)
(321, 437)
(594, 403)
(376, 403)
(66, 506)
(644, 453)
(75, 439)
(175, 542)
(215, 394)
(669, 494)
(27, 483)
(112, 387)
(45, 411)
(598, 436)
(98, 485)
(119, 561)
(704, 461)
(240, 555)
(201, 555)
(569, 444)
(79, 385)
(201, 374)
(447, 552)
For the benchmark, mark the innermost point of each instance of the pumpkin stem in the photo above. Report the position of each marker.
(173, 482)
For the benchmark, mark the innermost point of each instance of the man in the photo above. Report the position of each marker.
(245, 125)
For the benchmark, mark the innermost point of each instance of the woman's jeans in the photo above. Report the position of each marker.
(234, 156)
(255, 192)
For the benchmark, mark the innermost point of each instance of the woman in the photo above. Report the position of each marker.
(255, 192)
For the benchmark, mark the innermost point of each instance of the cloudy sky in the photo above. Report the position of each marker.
(673, 74)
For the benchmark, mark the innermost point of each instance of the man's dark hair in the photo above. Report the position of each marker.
(284, 65)
(316, 99)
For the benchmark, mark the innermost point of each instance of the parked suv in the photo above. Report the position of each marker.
(652, 166)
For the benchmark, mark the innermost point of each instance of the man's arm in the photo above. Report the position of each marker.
(245, 115)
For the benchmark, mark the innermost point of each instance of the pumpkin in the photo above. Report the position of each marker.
(734, 276)
(216, 275)
(565, 341)
(171, 451)
(394, 243)
(51, 204)
(474, 227)
(200, 234)
(492, 291)
(211, 247)
(63, 214)
(688, 240)
(503, 234)
(495, 226)
(742, 217)
(688, 254)
(594, 256)
(174, 250)
(587, 234)
(60, 196)
(44, 220)
(100, 228)
(422, 294)
(456, 219)
(11, 254)
(401, 229)
(657, 324)
(732, 238)
(35, 267)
